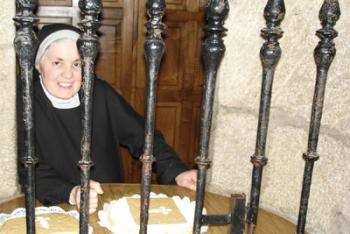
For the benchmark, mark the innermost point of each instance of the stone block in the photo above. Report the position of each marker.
(7, 29)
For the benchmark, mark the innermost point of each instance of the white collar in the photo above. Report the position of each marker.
(60, 103)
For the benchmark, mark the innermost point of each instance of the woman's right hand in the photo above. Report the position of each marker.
(95, 190)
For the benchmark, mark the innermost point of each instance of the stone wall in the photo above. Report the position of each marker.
(236, 108)
(8, 175)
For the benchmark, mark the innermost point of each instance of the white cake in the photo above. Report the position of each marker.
(166, 215)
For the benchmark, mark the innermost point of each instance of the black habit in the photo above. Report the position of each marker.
(58, 134)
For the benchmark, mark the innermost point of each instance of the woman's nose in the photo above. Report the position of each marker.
(68, 72)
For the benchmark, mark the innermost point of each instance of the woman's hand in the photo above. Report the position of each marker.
(95, 190)
(187, 179)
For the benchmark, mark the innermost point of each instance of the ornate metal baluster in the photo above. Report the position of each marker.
(270, 54)
(323, 54)
(25, 43)
(213, 51)
(88, 44)
(154, 50)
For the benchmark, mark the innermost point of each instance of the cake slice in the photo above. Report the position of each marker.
(50, 223)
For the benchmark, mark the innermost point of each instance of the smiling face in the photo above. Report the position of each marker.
(60, 69)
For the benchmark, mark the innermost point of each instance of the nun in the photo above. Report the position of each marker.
(57, 116)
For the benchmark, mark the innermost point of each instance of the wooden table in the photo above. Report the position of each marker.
(215, 204)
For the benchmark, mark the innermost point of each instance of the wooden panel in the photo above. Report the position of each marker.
(50, 14)
(55, 2)
(193, 151)
(194, 73)
(189, 132)
(168, 119)
(113, 3)
(50, 20)
(170, 70)
(176, 4)
(187, 5)
(109, 61)
(181, 60)
(115, 58)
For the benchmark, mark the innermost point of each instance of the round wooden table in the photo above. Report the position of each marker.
(268, 223)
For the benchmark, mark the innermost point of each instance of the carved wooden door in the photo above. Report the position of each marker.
(121, 64)
(180, 78)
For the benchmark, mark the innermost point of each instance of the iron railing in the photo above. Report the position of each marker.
(25, 43)
(88, 45)
(213, 50)
(323, 54)
(154, 49)
(270, 54)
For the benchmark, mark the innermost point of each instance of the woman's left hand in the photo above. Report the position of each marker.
(187, 179)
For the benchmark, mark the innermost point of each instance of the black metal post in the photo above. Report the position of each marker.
(88, 45)
(270, 54)
(154, 50)
(235, 219)
(213, 51)
(324, 53)
(25, 44)
(237, 213)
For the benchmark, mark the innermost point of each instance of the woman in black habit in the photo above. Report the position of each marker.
(57, 81)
